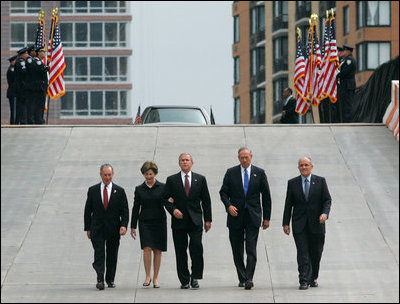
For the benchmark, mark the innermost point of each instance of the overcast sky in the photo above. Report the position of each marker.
(182, 55)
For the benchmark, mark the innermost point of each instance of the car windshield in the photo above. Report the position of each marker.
(193, 116)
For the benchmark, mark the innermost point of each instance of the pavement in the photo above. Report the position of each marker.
(46, 171)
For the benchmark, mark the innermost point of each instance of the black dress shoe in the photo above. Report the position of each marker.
(145, 284)
(248, 285)
(314, 283)
(303, 286)
(110, 284)
(194, 283)
(241, 284)
(100, 285)
(185, 286)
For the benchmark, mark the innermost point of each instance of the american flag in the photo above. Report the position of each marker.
(299, 75)
(57, 63)
(325, 61)
(39, 35)
(329, 85)
(307, 79)
(316, 71)
(138, 118)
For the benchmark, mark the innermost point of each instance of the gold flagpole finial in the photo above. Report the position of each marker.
(327, 14)
(298, 32)
(333, 13)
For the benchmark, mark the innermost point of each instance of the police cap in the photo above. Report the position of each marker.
(39, 49)
(23, 50)
(31, 47)
(339, 48)
(346, 47)
(12, 58)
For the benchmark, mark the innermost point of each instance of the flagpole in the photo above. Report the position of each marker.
(53, 25)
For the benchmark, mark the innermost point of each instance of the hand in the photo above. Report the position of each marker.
(178, 214)
(283, 113)
(232, 210)
(322, 218)
(122, 230)
(207, 226)
(88, 234)
(265, 224)
(171, 200)
(286, 229)
(133, 233)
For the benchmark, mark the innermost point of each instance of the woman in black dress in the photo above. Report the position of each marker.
(148, 208)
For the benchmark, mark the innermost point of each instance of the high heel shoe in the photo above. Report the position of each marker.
(147, 284)
(156, 285)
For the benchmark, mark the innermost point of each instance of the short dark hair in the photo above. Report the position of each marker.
(149, 165)
(290, 90)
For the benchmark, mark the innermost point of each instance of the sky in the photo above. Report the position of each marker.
(182, 55)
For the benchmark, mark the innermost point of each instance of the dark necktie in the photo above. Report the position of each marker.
(187, 186)
(306, 188)
(105, 198)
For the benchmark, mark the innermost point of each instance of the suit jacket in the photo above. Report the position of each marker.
(232, 193)
(148, 203)
(109, 221)
(291, 115)
(196, 206)
(347, 74)
(306, 212)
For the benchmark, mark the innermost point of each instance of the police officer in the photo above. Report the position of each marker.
(30, 84)
(11, 88)
(39, 79)
(337, 106)
(21, 78)
(347, 85)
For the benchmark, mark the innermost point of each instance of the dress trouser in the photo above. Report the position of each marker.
(181, 242)
(309, 251)
(13, 110)
(238, 236)
(105, 251)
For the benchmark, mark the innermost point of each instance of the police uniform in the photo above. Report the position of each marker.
(30, 87)
(336, 107)
(38, 73)
(347, 85)
(11, 89)
(21, 78)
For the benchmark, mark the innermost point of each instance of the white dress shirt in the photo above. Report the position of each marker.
(183, 178)
(248, 173)
(303, 181)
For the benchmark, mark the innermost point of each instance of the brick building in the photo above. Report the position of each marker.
(97, 49)
(264, 47)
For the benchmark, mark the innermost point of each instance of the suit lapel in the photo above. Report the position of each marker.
(178, 181)
(300, 187)
(238, 177)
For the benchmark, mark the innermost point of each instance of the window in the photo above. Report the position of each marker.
(257, 15)
(236, 74)
(303, 9)
(370, 55)
(280, 54)
(236, 109)
(279, 85)
(346, 20)
(373, 13)
(90, 7)
(93, 34)
(281, 19)
(93, 68)
(25, 7)
(236, 28)
(95, 104)
(257, 110)
(22, 34)
(258, 63)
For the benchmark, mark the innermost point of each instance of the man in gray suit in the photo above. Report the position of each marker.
(308, 197)
(240, 193)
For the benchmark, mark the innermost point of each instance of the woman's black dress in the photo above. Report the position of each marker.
(148, 208)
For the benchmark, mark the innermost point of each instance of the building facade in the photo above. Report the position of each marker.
(264, 48)
(97, 50)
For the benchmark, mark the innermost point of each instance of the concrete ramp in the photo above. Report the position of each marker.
(46, 171)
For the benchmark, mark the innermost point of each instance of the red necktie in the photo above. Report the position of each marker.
(187, 187)
(105, 198)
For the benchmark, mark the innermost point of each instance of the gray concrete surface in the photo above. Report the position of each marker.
(45, 173)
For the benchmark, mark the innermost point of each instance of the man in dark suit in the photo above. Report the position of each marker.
(106, 218)
(289, 115)
(240, 193)
(308, 197)
(191, 203)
